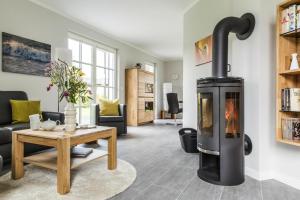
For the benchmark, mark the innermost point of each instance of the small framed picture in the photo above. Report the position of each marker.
(203, 50)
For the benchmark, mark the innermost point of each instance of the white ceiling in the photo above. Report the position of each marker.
(155, 26)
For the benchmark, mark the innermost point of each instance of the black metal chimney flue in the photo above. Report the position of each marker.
(243, 27)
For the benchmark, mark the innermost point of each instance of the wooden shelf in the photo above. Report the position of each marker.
(48, 159)
(289, 111)
(295, 33)
(286, 45)
(288, 3)
(290, 142)
(290, 72)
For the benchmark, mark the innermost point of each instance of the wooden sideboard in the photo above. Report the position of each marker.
(139, 96)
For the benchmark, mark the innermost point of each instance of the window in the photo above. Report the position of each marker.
(98, 62)
(150, 67)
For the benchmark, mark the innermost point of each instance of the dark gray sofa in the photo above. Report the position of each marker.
(6, 126)
(120, 122)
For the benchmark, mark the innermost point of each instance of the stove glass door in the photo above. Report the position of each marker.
(232, 112)
(208, 115)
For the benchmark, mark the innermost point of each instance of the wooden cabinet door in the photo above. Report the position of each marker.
(143, 114)
(146, 84)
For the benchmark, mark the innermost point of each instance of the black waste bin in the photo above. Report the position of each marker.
(188, 140)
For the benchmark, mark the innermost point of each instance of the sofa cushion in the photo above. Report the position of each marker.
(5, 136)
(22, 109)
(109, 107)
(16, 127)
(5, 107)
(111, 119)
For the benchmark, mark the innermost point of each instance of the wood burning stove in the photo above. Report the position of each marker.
(220, 99)
(220, 130)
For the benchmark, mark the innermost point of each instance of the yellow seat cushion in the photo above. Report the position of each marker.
(21, 110)
(109, 107)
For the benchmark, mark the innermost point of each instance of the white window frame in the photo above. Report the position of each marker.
(95, 45)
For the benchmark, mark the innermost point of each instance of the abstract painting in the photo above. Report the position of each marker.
(24, 56)
(203, 51)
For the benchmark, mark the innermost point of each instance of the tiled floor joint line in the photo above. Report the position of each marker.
(222, 190)
(261, 190)
(152, 184)
(185, 188)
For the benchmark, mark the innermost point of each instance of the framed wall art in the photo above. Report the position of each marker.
(203, 50)
(24, 56)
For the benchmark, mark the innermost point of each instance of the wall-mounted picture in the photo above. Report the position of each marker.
(24, 56)
(203, 51)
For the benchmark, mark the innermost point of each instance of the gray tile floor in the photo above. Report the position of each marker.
(166, 172)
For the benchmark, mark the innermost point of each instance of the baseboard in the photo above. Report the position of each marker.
(267, 175)
(291, 181)
(260, 176)
(252, 173)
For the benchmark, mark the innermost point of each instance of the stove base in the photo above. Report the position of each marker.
(203, 176)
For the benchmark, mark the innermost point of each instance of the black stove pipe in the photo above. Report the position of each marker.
(243, 27)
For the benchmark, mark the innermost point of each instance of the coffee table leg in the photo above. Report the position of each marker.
(17, 158)
(112, 150)
(63, 165)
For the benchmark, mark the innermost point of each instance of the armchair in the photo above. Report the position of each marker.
(120, 122)
(173, 103)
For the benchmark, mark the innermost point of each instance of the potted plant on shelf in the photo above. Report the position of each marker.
(71, 87)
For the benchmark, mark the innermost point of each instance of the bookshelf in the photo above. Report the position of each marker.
(287, 43)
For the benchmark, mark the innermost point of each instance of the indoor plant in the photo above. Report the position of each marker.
(70, 86)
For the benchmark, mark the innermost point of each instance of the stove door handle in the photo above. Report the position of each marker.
(216, 153)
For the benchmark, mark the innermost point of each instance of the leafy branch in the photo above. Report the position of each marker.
(69, 82)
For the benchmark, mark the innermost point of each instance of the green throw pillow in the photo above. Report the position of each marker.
(109, 107)
(21, 110)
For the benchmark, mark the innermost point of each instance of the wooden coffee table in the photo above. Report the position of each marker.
(60, 159)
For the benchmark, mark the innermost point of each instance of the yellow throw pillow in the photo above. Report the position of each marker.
(109, 107)
(21, 110)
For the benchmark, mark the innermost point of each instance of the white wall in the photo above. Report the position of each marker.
(276, 160)
(28, 20)
(199, 22)
(246, 63)
(285, 158)
(172, 68)
(255, 61)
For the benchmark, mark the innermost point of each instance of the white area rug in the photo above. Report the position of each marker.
(90, 181)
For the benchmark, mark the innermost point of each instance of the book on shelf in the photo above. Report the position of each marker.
(298, 17)
(290, 99)
(294, 97)
(81, 152)
(290, 18)
(284, 21)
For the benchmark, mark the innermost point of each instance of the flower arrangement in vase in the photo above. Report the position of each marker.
(71, 87)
